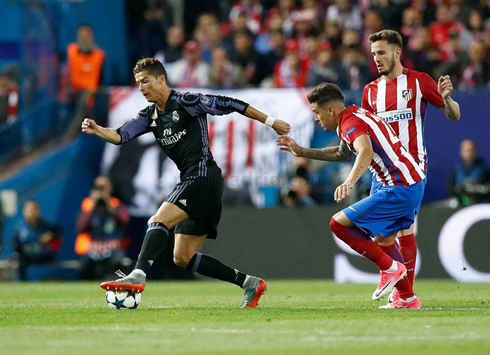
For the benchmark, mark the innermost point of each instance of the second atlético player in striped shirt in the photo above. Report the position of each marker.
(401, 97)
(386, 211)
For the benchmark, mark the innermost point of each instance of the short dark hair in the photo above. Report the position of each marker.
(325, 93)
(392, 37)
(151, 65)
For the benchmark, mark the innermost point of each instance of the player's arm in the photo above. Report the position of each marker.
(280, 126)
(362, 145)
(449, 107)
(338, 153)
(198, 104)
(123, 134)
(110, 135)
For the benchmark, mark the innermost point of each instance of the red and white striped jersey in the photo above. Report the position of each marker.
(402, 102)
(391, 164)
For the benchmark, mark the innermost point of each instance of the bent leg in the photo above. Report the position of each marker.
(359, 241)
(390, 246)
(408, 249)
(186, 255)
(167, 216)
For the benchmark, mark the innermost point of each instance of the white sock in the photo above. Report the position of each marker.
(409, 299)
(393, 267)
(138, 271)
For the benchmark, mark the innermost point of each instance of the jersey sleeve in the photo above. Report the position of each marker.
(199, 104)
(353, 128)
(135, 128)
(365, 104)
(429, 90)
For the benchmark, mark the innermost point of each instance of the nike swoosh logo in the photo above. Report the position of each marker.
(352, 209)
(384, 288)
(407, 262)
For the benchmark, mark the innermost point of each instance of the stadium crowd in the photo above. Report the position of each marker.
(288, 43)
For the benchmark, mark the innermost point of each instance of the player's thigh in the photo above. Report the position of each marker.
(187, 245)
(169, 214)
(385, 241)
(405, 232)
(341, 218)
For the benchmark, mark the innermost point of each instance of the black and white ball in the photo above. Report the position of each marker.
(123, 299)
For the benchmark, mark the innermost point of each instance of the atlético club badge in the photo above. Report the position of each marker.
(407, 94)
(175, 116)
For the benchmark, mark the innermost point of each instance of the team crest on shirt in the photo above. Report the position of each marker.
(205, 100)
(407, 94)
(175, 116)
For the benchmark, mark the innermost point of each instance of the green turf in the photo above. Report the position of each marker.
(295, 317)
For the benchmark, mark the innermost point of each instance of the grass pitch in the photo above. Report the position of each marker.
(294, 317)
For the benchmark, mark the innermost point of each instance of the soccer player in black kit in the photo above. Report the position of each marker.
(179, 123)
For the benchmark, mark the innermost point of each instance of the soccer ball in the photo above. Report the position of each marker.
(123, 299)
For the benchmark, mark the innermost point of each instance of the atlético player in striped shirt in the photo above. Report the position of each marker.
(401, 97)
(390, 208)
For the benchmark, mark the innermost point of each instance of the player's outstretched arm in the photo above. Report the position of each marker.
(449, 107)
(280, 126)
(365, 153)
(110, 135)
(338, 153)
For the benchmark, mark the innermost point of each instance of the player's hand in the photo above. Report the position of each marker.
(445, 86)
(89, 126)
(288, 144)
(342, 191)
(281, 127)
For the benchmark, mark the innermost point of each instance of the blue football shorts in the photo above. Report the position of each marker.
(387, 210)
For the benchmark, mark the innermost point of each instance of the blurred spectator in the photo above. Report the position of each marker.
(474, 68)
(469, 181)
(148, 23)
(292, 71)
(264, 71)
(303, 30)
(325, 69)
(253, 12)
(460, 10)
(9, 99)
(427, 9)
(390, 13)
(244, 53)
(372, 24)
(101, 240)
(299, 193)
(205, 21)
(263, 41)
(34, 239)
(451, 50)
(356, 65)
(190, 71)
(214, 40)
(332, 33)
(224, 74)
(411, 24)
(173, 50)
(285, 10)
(85, 62)
(346, 13)
(439, 30)
(476, 30)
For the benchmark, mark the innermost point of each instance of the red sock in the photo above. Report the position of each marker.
(361, 243)
(405, 288)
(408, 249)
(393, 251)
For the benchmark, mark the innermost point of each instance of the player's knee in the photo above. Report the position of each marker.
(154, 219)
(181, 259)
(334, 224)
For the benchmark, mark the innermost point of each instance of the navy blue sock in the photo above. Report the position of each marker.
(211, 267)
(153, 244)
